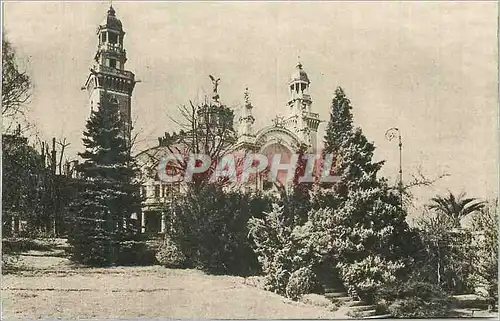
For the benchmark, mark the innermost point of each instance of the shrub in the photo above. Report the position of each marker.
(210, 228)
(16, 245)
(271, 236)
(10, 263)
(413, 299)
(486, 269)
(364, 277)
(447, 258)
(301, 282)
(135, 253)
(169, 255)
(278, 244)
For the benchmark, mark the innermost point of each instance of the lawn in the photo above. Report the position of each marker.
(49, 287)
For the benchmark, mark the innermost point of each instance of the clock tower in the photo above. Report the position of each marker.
(109, 82)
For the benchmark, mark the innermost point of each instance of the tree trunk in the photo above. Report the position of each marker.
(439, 265)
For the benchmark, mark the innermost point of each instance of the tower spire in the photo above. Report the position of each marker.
(246, 119)
(111, 10)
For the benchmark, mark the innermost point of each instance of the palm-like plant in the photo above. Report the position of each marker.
(455, 207)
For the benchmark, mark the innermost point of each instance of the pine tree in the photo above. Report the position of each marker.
(341, 122)
(356, 229)
(352, 152)
(108, 190)
(365, 216)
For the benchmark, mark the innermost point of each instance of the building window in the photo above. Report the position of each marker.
(163, 191)
(157, 191)
(103, 37)
(112, 63)
(113, 38)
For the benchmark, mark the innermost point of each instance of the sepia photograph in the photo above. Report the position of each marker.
(249, 160)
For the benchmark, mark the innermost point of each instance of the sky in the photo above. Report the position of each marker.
(428, 68)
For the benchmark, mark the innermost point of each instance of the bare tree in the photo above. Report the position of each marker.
(205, 128)
(16, 85)
(63, 144)
(419, 179)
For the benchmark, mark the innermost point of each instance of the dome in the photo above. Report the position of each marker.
(299, 74)
(111, 21)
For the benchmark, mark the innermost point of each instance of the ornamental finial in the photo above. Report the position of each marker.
(299, 64)
(111, 10)
(247, 98)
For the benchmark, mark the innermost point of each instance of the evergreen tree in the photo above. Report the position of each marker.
(352, 152)
(364, 217)
(356, 228)
(341, 121)
(108, 190)
(358, 187)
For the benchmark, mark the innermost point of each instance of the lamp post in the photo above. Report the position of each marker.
(390, 134)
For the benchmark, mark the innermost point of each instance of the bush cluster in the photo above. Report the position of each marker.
(288, 248)
(16, 245)
(280, 251)
(209, 227)
(301, 281)
(169, 255)
(363, 278)
(135, 253)
(413, 299)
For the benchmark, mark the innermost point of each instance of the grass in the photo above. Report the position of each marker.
(53, 288)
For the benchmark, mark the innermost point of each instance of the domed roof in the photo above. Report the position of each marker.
(299, 74)
(111, 21)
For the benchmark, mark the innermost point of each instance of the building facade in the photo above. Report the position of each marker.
(284, 135)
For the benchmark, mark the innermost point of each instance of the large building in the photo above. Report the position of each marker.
(110, 82)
